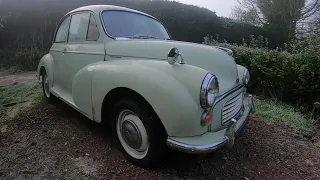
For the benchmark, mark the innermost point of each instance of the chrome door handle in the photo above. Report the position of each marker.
(64, 51)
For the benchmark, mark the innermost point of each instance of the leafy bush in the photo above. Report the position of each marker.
(26, 58)
(291, 75)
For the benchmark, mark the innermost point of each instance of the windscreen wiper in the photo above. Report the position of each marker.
(142, 36)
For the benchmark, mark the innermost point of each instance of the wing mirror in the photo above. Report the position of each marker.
(174, 55)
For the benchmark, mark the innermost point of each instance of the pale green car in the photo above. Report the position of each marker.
(118, 66)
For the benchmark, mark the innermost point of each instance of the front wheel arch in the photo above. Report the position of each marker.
(120, 93)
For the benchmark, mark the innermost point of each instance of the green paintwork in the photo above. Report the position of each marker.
(82, 74)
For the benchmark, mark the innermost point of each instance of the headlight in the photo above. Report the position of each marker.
(246, 77)
(209, 91)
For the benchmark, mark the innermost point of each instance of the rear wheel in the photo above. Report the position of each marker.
(138, 132)
(46, 88)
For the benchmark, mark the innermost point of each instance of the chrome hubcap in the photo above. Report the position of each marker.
(132, 134)
(46, 85)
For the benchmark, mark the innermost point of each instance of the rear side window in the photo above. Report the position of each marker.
(78, 27)
(62, 31)
(93, 32)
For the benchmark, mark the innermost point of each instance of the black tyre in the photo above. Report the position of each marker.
(50, 98)
(138, 132)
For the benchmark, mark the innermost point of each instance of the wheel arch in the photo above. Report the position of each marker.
(46, 64)
(42, 70)
(118, 93)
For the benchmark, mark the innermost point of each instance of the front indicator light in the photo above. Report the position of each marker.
(206, 118)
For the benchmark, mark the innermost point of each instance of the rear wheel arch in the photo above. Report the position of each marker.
(42, 70)
(46, 65)
(50, 98)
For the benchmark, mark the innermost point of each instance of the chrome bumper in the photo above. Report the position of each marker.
(228, 139)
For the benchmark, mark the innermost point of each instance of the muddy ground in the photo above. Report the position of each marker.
(56, 142)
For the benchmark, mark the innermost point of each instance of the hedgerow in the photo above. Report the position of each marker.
(291, 75)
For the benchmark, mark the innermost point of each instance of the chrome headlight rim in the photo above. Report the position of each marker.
(212, 80)
(246, 77)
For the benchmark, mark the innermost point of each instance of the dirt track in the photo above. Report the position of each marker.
(56, 142)
(7, 79)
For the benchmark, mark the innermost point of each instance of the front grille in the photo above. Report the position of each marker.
(231, 108)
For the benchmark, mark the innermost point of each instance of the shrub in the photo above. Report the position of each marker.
(291, 77)
(26, 58)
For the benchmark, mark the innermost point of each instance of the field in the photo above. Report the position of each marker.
(42, 141)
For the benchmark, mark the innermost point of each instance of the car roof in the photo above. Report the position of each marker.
(97, 9)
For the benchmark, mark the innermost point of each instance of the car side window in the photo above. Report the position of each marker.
(93, 32)
(62, 31)
(78, 27)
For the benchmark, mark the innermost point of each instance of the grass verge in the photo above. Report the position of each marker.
(17, 96)
(272, 111)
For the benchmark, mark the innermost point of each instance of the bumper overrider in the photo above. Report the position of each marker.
(212, 141)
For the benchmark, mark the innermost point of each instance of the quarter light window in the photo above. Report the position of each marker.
(93, 32)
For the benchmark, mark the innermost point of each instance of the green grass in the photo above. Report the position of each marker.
(16, 94)
(272, 111)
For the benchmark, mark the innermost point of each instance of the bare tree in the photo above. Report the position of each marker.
(282, 16)
(247, 11)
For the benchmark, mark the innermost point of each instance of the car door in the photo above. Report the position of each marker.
(57, 52)
(84, 46)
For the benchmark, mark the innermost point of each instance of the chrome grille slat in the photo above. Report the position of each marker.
(227, 108)
(230, 102)
(234, 103)
(231, 115)
(231, 108)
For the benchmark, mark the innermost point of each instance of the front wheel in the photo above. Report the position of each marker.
(139, 133)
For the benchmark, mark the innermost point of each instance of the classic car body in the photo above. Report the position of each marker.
(91, 74)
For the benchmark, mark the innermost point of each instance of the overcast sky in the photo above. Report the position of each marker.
(221, 7)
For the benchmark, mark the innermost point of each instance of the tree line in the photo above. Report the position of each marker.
(33, 22)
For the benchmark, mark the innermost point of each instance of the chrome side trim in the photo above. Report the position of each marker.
(201, 149)
(84, 52)
(55, 50)
(228, 51)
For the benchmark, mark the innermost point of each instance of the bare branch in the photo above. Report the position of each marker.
(310, 9)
